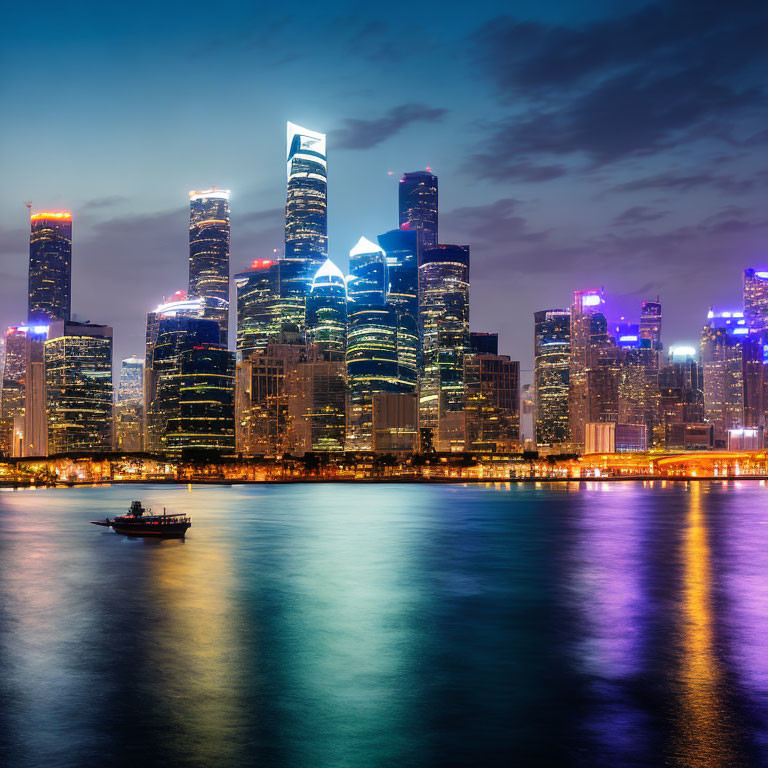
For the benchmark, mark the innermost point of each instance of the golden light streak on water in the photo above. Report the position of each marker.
(703, 735)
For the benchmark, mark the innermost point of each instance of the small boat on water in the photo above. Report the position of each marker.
(141, 522)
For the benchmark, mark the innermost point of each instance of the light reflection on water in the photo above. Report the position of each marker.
(583, 624)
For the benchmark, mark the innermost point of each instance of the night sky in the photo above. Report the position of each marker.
(578, 144)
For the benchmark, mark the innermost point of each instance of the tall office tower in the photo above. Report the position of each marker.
(179, 306)
(306, 219)
(484, 343)
(734, 378)
(13, 391)
(209, 254)
(492, 403)
(444, 333)
(756, 298)
(395, 422)
(551, 374)
(129, 408)
(50, 266)
(35, 394)
(418, 206)
(681, 396)
(316, 395)
(261, 398)
(78, 378)
(327, 312)
(203, 425)
(176, 334)
(258, 305)
(402, 257)
(371, 341)
(650, 323)
(589, 335)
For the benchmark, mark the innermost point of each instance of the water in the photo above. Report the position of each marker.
(606, 624)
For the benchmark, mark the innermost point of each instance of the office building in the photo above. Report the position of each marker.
(756, 298)
(209, 254)
(129, 408)
(259, 315)
(50, 267)
(418, 206)
(552, 362)
(326, 311)
(78, 377)
(395, 422)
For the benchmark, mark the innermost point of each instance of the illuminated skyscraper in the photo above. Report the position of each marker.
(129, 408)
(50, 266)
(371, 341)
(650, 323)
(734, 374)
(204, 423)
(444, 332)
(209, 254)
(552, 361)
(327, 311)
(756, 298)
(78, 377)
(402, 258)
(259, 317)
(418, 205)
(589, 335)
(681, 395)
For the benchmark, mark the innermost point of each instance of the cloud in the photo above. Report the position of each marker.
(103, 202)
(364, 134)
(675, 181)
(630, 85)
(636, 215)
(496, 164)
(495, 223)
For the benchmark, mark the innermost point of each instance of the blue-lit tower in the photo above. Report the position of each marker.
(418, 205)
(50, 266)
(327, 311)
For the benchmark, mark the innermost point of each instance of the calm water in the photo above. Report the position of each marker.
(341, 625)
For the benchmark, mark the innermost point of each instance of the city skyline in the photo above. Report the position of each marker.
(665, 205)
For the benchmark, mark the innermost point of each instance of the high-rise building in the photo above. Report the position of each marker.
(552, 368)
(316, 396)
(734, 374)
(50, 266)
(650, 323)
(78, 377)
(204, 423)
(444, 333)
(327, 311)
(176, 333)
(681, 395)
(492, 403)
(402, 258)
(484, 343)
(589, 336)
(418, 206)
(395, 422)
(368, 280)
(756, 298)
(13, 391)
(259, 316)
(209, 254)
(129, 408)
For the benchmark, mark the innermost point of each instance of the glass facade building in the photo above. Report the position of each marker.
(418, 206)
(50, 267)
(444, 333)
(78, 378)
(756, 298)
(209, 254)
(204, 425)
(259, 316)
(327, 311)
(552, 360)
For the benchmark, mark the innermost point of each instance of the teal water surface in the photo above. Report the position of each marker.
(603, 624)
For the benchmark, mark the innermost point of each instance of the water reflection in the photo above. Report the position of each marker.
(703, 734)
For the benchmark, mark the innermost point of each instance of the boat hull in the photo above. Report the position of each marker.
(168, 531)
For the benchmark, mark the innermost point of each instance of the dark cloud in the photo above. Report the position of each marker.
(364, 134)
(676, 181)
(495, 163)
(632, 84)
(496, 223)
(636, 215)
(103, 202)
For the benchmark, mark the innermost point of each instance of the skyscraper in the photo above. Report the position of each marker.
(418, 206)
(306, 219)
(259, 317)
(552, 360)
(444, 332)
(50, 266)
(209, 254)
(78, 377)
(756, 298)
(327, 311)
(650, 323)
(402, 258)
(371, 340)
(129, 408)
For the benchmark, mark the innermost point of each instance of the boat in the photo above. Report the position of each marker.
(141, 522)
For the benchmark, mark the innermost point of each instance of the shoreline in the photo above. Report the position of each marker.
(391, 481)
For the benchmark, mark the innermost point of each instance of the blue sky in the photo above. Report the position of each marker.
(621, 144)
